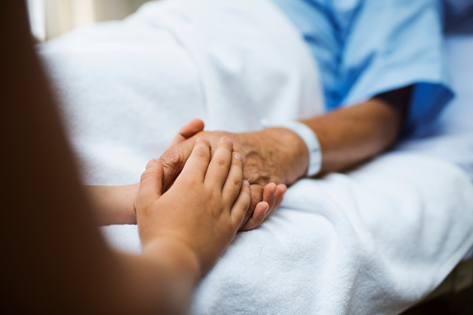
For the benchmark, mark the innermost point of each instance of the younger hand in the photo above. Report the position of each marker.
(203, 209)
(260, 171)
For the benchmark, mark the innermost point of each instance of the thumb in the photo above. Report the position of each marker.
(151, 183)
(187, 131)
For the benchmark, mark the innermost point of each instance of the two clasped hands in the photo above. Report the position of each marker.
(208, 169)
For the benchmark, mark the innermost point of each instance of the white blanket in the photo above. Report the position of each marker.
(372, 241)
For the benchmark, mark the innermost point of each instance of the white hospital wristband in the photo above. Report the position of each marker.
(311, 141)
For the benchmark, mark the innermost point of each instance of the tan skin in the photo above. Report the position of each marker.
(347, 136)
(53, 257)
(115, 204)
(54, 260)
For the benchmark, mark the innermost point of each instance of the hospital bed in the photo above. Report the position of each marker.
(377, 239)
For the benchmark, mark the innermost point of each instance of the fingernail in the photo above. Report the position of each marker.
(228, 141)
(266, 211)
(247, 183)
(275, 191)
(151, 163)
(238, 156)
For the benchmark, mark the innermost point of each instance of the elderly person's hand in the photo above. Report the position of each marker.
(271, 156)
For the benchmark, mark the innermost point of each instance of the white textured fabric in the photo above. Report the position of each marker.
(370, 242)
(373, 241)
(174, 61)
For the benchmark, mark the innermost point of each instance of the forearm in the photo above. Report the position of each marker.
(114, 204)
(347, 137)
(352, 135)
(161, 280)
(57, 260)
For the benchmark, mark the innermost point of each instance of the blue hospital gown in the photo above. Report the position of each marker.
(364, 48)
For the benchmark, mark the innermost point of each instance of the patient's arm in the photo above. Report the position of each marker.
(352, 135)
(54, 260)
(348, 136)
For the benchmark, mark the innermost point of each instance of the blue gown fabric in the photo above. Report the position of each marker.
(366, 47)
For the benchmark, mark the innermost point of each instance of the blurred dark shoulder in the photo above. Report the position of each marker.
(458, 17)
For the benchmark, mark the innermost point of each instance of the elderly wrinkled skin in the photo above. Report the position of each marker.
(273, 155)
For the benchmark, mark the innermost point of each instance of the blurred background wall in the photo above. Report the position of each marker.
(52, 18)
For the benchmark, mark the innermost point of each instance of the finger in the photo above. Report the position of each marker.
(280, 195)
(232, 186)
(257, 217)
(190, 129)
(198, 162)
(269, 195)
(174, 159)
(242, 204)
(277, 198)
(256, 197)
(262, 210)
(220, 163)
(151, 183)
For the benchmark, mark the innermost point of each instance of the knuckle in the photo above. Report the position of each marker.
(237, 182)
(222, 163)
(147, 174)
(171, 160)
(202, 153)
(257, 192)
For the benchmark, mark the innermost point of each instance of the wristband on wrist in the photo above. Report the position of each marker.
(310, 140)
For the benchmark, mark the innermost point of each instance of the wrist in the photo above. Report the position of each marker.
(174, 253)
(311, 142)
(295, 155)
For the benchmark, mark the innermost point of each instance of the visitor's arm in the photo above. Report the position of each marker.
(54, 259)
(114, 204)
